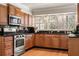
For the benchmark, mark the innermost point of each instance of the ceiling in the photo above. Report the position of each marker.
(33, 6)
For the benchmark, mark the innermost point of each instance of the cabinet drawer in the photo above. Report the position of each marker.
(8, 39)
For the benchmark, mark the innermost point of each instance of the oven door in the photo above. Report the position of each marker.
(19, 43)
(19, 47)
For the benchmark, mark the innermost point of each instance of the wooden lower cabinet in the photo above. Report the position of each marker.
(7, 52)
(64, 42)
(73, 47)
(51, 41)
(12, 10)
(29, 41)
(47, 41)
(39, 40)
(6, 46)
(55, 41)
(3, 15)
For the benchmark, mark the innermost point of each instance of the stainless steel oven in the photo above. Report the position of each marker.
(14, 20)
(19, 46)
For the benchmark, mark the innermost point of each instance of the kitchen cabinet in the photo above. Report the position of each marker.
(11, 10)
(6, 45)
(17, 12)
(1, 45)
(7, 52)
(3, 15)
(48, 40)
(51, 41)
(22, 19)
(73, 47)
(78, 12)
(30, 20)
(55, 41)
(29, 41)
(26, 20)
(39, 40)
(63, 42)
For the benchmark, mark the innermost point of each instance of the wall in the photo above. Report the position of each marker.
(53, 10)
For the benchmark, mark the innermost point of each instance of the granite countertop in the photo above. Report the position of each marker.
(49, 32)
(12, 34)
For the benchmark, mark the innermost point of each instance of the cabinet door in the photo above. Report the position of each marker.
(29, 41)
(73, 47)
(48, 40)
(8, 44)
(42, 40)
(7, 52)
(78, 12)
(18, 12)
(22, 19)
(12, 10)
(30, 20)
(56, 41)
(3, 15)
(26, 20)
(64, 42)
(26, 42)
(39, 40)
(1, 41)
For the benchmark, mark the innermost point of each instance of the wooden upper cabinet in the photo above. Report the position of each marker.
(22, 18)
(78, 12)
(26, 20)
(12, 10)
(3, 15)
(18, 12)
(30, 20)
(15, 11)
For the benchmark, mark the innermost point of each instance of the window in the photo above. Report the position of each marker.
(52, 22)
(65, 21)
